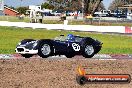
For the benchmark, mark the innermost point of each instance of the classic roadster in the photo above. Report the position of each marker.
(69, 46)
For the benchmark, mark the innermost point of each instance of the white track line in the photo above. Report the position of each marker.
(96, 57)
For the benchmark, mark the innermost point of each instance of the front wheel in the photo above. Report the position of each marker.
(27, 55)
(45, 50)
(88, 51)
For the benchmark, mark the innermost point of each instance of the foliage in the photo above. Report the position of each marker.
(22, 10)
(89, 5)
(47, 6)
(101, 7)
(116, 3)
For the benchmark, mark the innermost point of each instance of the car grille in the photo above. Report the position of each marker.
(20, 49)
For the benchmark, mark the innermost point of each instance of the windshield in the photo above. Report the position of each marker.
(64, 38)
(60, 38)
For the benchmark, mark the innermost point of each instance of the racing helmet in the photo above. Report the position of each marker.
(70, 37)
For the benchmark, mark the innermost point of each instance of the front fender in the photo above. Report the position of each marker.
(39, 42)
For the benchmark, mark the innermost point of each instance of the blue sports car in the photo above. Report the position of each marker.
(69, 46)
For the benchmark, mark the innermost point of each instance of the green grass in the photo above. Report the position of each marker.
(13, 19)
(112, 44)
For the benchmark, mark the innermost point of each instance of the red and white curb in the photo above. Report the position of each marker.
(97, 56)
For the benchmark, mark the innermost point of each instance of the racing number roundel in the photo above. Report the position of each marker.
(75, 46)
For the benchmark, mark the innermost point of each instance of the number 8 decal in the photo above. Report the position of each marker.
(76, 47)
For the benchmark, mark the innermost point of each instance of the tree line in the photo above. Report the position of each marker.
(88, 6)
(118, 3)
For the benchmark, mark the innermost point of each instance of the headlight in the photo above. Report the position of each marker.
(35, 44)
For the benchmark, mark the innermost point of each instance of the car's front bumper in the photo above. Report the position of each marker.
(23, 50)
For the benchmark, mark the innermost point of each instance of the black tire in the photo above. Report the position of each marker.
(27, 55)
(88, 51)
(81, 80)
(49, 51)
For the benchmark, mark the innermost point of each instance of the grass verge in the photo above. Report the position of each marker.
(112, 44)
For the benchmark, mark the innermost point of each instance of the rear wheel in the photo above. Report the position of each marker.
(88, 51)
(27, 55)
(45, 50)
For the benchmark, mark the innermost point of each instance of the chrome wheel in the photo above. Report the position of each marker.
(46, 49)
(89, 50)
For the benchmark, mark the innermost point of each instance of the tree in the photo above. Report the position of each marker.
(22, 10)
(101, 7)
(89, 5)
(116, 3)
(47, 6)
(96, 6)
(59, 3)
(74, 5)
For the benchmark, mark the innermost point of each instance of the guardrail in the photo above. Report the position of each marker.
(87, 28)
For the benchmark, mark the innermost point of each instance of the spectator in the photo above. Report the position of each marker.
(21, 17)
(90, 18)
(63, 16)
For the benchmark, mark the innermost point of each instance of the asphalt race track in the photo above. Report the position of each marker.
(97, 56)
(59, 71)
(36, 72)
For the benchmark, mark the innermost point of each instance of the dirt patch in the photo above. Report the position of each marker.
(49, 73)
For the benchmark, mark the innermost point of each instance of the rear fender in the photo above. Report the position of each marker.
(87, 40)
(95, 43)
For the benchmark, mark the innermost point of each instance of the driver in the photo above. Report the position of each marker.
(70, 37)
